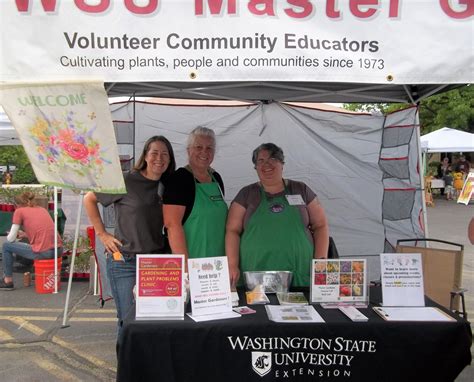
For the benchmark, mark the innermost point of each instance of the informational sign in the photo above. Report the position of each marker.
(467, 189)
(338, 282)
(211, 298)
(383, 41)
(160, 286)
(67, 132)
(402, 279)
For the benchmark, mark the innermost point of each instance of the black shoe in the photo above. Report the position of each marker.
(6, 286)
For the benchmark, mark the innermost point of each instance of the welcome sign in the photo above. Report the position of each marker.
(67, 133)
(377, 41)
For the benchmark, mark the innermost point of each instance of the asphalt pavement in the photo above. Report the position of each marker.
(34, 345)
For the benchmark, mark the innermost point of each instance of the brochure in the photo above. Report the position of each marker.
(353, 313)
(160, 286)
(211, 298)
(339, 282)
(244, 310)
(402, 279)
(292, 298)
(293, 314)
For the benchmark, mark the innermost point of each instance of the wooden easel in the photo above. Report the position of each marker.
(428, 194)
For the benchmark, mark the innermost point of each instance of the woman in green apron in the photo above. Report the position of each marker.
(275, 224)
(194, 208)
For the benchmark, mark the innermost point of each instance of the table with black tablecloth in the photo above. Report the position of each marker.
(242, 349)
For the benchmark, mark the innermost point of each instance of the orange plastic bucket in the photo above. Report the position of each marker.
(44, 275)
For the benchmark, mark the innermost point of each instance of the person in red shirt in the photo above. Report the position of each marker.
(38, 228)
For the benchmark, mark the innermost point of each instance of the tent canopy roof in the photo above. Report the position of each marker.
(279, 91)
(447, 140)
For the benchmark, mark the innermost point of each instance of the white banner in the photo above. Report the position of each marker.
(67, 132)
(378, 41)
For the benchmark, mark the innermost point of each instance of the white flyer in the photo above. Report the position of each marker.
(402, 279)
(210, 288)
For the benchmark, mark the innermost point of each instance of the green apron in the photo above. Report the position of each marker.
(205, 226)
(275, 240)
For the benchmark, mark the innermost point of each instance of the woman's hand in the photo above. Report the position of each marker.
(111, 243)
(234, 227)
(21, 235)
(234, 276)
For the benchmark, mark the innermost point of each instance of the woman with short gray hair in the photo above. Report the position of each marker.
(275, 224)
(194, 208)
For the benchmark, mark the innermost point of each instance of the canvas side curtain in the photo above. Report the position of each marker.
(354, 163)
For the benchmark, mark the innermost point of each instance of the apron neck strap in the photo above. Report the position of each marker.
(264, 193)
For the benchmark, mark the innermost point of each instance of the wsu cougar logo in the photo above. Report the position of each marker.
(261, 362)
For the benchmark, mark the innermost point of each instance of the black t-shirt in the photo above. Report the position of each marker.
(138, 215)
(181, 190)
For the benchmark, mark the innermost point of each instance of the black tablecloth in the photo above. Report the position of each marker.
(338, 349)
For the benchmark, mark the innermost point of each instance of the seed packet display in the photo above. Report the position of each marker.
(339, 282)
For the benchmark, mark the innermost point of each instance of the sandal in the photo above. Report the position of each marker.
(6, 286)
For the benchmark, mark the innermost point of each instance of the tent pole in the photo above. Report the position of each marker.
(421, 160)
(134, 129)
(55, 211)
(71, 267)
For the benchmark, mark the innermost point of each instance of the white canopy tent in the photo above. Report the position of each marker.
(446, 140)
(8, 135)
(266, 53)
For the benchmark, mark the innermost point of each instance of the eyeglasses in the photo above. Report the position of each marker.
(271, 160)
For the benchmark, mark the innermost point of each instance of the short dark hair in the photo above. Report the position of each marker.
(141, 163)
(275, 152)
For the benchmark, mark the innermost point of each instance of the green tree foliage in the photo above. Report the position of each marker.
(454, 109)
(16, 156)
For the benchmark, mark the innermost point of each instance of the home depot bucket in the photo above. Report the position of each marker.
(44, 275)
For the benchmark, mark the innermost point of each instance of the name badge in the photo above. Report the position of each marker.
(295, 200)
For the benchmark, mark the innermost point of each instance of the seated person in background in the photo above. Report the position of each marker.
(275, 224)
(444, 172)
(38, 229)
(463, 165)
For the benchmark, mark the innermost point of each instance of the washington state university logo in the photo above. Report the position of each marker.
(261, 362)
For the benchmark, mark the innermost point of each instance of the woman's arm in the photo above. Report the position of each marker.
(173, 217)
(111, 243)
(320, 229)
(234, 226)
(13, 233)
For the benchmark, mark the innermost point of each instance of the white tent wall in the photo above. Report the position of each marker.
(336, 154)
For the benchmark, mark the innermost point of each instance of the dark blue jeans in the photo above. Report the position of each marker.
(121, 276)
(23, 250)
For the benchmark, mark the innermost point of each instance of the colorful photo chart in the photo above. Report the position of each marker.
(339, 282)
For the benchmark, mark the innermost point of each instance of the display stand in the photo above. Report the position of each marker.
(73, 257)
